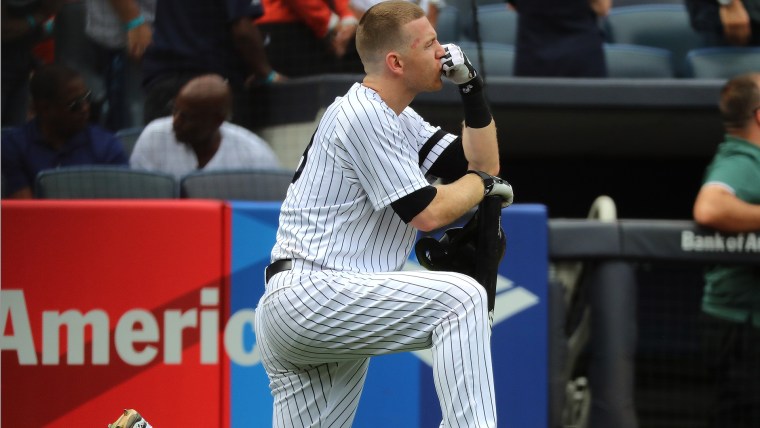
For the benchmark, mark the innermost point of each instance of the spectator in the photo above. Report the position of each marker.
(23, 26)
(560, 38)
(729, 201)
(197, 137)
(726, 22)
(196, 37)
(308, 37)
(60, 134)
(119, 31)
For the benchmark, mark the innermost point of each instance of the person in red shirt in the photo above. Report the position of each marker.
(308, 37)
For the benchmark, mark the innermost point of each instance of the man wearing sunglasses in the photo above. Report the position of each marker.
(60, 134)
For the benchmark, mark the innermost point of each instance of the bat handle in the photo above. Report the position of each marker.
(489, 239)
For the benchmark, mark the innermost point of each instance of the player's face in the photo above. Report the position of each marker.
(423, 56)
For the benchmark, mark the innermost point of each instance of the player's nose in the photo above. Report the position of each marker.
(439, 51)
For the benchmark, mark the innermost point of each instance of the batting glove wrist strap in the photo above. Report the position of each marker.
(477, 113)
(496, 186)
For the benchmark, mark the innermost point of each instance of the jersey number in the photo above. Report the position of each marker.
(302, 162)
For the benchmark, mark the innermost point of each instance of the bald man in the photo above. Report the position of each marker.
(198, 137)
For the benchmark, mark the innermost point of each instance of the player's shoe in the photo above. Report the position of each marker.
(130, 419)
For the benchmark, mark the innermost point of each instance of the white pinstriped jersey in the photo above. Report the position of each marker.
(362, 158)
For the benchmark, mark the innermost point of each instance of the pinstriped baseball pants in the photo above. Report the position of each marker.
(317, 329)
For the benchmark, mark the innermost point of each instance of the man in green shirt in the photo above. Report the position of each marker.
(729, 201)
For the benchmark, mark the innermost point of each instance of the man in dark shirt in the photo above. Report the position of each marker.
(560, 38)
(60, 134)
(196, 37)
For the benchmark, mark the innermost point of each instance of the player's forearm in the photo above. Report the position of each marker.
(717, 208)
(451, 202)
(481, 148)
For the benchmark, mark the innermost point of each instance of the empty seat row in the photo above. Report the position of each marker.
(645, 40)
(110, 182)
(631, 61)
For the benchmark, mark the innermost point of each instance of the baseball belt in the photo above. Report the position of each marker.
(276, 267)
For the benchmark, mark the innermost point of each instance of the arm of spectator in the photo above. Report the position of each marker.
(600, 7)
(15, 27)
(716, 207)
(23, 193)
(15, 181)
(139, 33)
(342, 35)
(736, 23)
(250, 46)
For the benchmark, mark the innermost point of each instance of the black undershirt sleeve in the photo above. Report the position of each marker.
(451, 164)
(412, 204)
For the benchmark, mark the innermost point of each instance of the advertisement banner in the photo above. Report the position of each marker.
(107, 305)
(399, 390)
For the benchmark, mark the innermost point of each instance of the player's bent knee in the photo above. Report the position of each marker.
(473, 289)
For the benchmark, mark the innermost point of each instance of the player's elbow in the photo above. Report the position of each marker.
(426, 221)
(489, 165)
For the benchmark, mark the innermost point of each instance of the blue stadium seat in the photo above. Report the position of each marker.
(449, 25)
(631, 61)
(237, 184)
(723, 62)
(104, 182)
(664, 26)
(499, 58)
(466, 17)
(128, 138)
(497, 23)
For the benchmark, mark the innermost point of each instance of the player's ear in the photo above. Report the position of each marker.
(394, 63)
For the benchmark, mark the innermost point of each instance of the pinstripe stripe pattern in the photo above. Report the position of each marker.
(317, 329)
(363, 157)
(345, 299)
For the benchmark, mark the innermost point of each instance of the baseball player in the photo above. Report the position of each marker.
(335, 295)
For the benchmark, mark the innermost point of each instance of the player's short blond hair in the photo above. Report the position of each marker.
(380, 29)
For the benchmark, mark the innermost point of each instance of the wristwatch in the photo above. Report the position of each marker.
(725, 2)
(487, 180)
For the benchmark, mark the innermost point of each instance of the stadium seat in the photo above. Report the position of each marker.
(499, 58)
(638, 61)
(104, 182)
(467, 18)
(664, 26)
(449, 25)
(723, 62)
(128, 138)
(237, 184)
(497, 23)
(618, 3)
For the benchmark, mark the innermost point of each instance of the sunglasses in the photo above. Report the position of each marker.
(78, 104)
